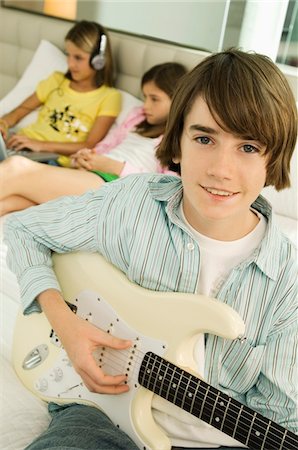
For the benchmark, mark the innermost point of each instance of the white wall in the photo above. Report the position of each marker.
(198, 23)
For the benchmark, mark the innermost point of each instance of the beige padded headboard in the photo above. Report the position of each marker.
(21, 33)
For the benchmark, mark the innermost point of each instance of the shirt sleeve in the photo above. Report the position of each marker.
(64, 225)
(275, 393)
(276, 390)
(111, 104)
(50, 84)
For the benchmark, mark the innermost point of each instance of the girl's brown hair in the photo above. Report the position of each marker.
(248, 96)
(86, 36)
(166, 77)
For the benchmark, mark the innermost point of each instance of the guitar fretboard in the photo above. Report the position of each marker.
(213, 406)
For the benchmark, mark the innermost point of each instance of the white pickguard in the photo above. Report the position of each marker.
(172, 320)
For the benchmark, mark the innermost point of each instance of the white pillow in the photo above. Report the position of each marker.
(128, 102)
(46, 59)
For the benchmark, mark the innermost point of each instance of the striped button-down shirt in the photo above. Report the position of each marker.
(136, 224)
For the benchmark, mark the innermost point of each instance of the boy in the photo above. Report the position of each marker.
(232, 129)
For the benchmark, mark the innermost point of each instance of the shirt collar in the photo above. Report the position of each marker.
(265, 255)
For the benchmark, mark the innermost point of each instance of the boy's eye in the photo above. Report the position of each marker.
(248, 148)
(203, 140)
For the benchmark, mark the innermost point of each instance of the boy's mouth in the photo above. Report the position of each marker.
(220, 192)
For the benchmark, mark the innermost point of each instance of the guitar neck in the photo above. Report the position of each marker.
(213, 406)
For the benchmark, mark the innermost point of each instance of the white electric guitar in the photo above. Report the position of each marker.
(164, 328)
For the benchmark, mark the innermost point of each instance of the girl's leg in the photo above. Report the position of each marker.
(81, 427)
(40, 183)
(14, 203)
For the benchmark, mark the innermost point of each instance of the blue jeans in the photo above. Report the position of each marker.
(81, 427)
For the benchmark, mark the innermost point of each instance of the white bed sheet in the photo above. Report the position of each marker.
(22, 415)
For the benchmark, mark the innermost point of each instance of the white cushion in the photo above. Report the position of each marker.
(128, 102)
(285, 202)
(46, 60)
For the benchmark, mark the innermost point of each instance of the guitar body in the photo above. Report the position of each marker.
(167, 324)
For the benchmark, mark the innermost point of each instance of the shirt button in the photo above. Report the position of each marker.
(190, 246)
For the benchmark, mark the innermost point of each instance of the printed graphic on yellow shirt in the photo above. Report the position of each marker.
(66, 122)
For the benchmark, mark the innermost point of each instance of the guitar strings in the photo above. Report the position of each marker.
(117, 360)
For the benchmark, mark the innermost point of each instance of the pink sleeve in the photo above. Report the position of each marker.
(118, 133)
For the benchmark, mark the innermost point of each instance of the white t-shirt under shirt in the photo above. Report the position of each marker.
(218, 258)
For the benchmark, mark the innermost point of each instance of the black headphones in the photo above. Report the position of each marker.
(97, 59)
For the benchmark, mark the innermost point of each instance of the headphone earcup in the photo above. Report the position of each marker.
(98, 59)
(98, 62)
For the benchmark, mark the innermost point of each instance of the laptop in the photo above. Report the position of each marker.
(35, 156)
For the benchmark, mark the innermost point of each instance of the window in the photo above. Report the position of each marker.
(288, 48)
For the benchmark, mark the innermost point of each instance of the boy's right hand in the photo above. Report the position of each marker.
(79, 339)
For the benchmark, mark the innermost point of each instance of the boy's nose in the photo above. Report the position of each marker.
(220, 165)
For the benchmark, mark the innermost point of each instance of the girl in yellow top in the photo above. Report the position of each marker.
(77, 108)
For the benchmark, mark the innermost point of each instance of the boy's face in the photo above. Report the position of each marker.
(222, 175)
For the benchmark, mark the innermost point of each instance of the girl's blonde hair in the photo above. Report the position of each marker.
(248, 96)
(86, 36)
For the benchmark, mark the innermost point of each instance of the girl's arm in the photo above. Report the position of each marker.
(12, 118)
(100, 128)
(89, 160)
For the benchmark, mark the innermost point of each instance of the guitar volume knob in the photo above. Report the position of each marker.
(56, 374)
(41, 385)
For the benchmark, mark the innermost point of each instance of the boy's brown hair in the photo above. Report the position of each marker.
(248, 96)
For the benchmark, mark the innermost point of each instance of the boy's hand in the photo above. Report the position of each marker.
(80, 339)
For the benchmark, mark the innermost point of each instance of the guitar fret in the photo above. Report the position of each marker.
(213, 409)
(283, 439)
(150, 371)
(186, 392)
(266, 433)
(195, 396)
(219, 412)
(172, 388)
(225, 414)
(159, 375)
(250, 428)
(203, 404)
(162, 381)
